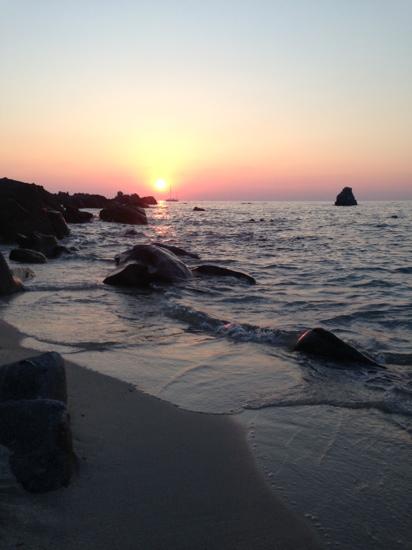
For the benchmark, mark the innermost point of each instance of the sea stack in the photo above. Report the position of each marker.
(346, 198)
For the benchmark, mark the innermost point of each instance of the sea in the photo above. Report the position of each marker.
(333, 441)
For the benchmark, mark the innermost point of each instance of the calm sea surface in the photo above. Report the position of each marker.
(335, 443)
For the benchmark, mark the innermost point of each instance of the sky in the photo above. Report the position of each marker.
(228, 99)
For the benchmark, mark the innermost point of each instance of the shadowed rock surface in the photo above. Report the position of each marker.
(25, 208)
(74, 215)
(144, 264)
(25, 255)
(46, 244)
(42, 376)
(319, 341)
(346, 198)
(124, 214)
(198, 209)
(218, 271)
(37, 432)
(8, 282)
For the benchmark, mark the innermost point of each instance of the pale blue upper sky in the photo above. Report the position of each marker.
(311, 93)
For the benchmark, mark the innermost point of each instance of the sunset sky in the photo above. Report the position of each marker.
(228, 99)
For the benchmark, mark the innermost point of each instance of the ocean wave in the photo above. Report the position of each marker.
(240, 332)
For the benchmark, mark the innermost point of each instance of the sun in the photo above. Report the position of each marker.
(160, 185)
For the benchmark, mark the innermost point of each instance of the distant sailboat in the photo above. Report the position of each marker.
(170, 199)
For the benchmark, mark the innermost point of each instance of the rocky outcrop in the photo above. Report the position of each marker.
(149, 200)
(144, 264)
(8, 282)
(198, 209)
(323, 343)
(25, 208)
(346, 198)
(34, 423)
(82, 200)
(74, 215)
(124, 214)
(218, 271)
(46, 244)
(26, 256)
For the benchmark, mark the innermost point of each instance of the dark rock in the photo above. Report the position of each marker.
(42, 376)
(82, 200)
(394, 216)
(129, 200)
(25, 208)
(59, 225)
(130, 233)
(74, 215)
(25, 255)
(177, 251)
(198, 209)
(124, 214)
(346, 198)
(144, 264)
(8, 282)
(218, 271)
(319, 341)
(149, 200)
(37, 432)
(46, 244)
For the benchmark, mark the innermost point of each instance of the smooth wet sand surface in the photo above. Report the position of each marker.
(151, 476)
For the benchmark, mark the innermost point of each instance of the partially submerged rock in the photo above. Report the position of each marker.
(218, 271)
(319, 341)
(27, 256)
(74, 215)
(144, 264)
(46, 244)
(346, 198)
(124, 214)
(198, 209)
(8, 282)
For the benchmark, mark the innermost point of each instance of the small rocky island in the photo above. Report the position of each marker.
(346, 198)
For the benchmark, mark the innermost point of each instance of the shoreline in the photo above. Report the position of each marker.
(151, 476)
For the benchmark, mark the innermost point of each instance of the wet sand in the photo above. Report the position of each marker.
(151, 476)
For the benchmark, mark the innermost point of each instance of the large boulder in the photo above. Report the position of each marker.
(319, 341)
(46, 244)
(26, 256)
(346, 198)
(133, 215)
(37, 432)
(82, 200)
(218, 271)
(74, 215)
(40, 377)
(34, 423)
(25, 208)
(144, 264)
(8, 282)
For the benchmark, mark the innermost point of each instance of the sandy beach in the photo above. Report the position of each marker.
(150, 476)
